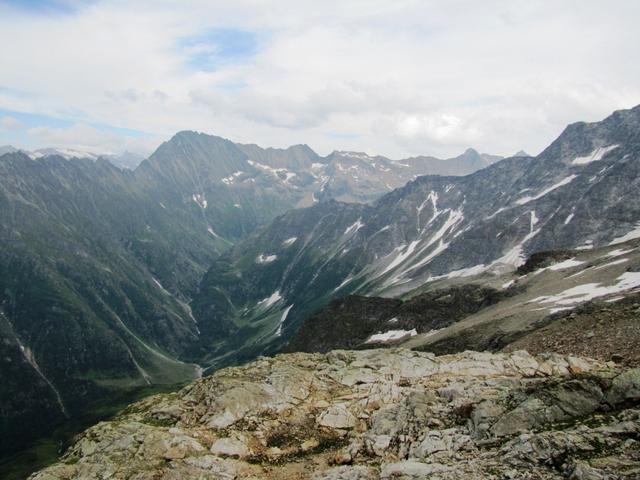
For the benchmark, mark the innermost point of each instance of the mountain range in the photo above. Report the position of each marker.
(210, 252)
(100, 263)
(580, 192)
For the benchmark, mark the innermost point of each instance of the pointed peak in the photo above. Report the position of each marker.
(521, 153)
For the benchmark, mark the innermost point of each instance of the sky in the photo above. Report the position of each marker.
(397, 78)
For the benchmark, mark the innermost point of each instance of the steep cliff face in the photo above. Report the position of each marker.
(377, 414)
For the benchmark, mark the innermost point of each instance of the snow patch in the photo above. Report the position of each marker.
(355, 227)
(572, 262)
(200, 200)
(271, 300)
(159, 285)
(589, 291)
(610, 264)
(391, 336)
(515, 256)
(273, 171)
(229, 180)
(635, 233)
(466, 272)
(618, 252)
(282, 319)
(594, 156)
(501, 209)
(588, 245)
(344, 282)
(550, 189)
(263, 259)
(402, 256)
(289, 241)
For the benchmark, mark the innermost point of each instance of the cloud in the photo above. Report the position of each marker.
(397, 78)
(10, 123)
(91, 139)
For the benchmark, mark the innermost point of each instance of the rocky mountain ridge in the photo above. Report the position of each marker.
(581, 192)
(377, 414)
(491, 312)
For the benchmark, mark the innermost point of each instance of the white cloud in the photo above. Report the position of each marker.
(10, 123)
(90, 139)
(401, 78)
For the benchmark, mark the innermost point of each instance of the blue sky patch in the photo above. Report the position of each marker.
(46, 7)
(213, 48)
(19, 135)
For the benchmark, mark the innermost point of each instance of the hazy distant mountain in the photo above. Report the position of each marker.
(125, 159)
(521, 153)
(7, 149)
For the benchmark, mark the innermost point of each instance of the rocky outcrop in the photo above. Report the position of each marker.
(377, 414)
(347, 323)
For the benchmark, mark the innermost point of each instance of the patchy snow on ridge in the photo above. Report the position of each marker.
(262, 259)
(355, 227)
(344, 282)
(282, 319)
(211, 231)
(610, 264)
(271, 300)
(229, 180)
(391, 336)
(515, 256)
(550, 189)
(569, 218)
(570, 263)
(635, 233)
(273, 171)
(618, 252)
(594, 156)
(159, 285)
(401, 257)
(200, 200)
(589, 291)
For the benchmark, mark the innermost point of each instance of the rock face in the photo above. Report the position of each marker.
(349, 322)
(377, 414)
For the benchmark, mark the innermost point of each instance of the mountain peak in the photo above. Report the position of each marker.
(521, 153)
(471, 151)
(582, 139)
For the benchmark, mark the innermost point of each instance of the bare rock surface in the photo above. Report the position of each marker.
(377, 414)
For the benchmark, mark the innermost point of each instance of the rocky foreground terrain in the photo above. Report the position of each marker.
(377, 414)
